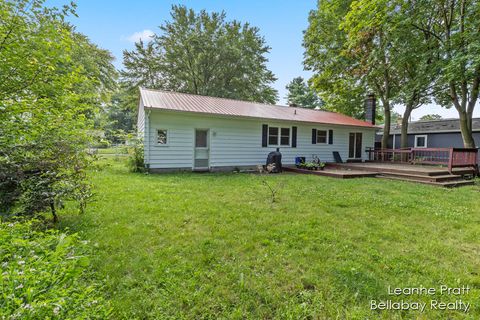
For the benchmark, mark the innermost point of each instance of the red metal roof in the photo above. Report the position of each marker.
(169, 100)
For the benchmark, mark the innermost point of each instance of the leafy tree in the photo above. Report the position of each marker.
(51, 84)
(380, 28)
(396, 117)
(348, 63)
(301, 95)
(202, 53)
(428, 117)
(374, 45)
(119, 117)
(455, 26)
(324, 42)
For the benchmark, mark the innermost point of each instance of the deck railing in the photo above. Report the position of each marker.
(450, 157)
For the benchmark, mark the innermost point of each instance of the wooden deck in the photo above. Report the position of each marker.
(334, 172)
(433, 175)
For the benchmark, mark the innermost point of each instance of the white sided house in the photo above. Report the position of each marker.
(191, 132)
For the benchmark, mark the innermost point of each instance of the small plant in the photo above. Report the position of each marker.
(273, 189)
(311, 166)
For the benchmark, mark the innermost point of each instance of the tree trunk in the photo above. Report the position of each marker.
(404, 135)
(386, 126)
(466, 129)
(54, 212)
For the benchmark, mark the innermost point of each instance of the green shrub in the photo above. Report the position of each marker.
(103, 143)
(135, 157)
(45, 274)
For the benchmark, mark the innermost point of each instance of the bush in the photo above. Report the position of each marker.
(135, 157)
(39, 176)
(103, 143)
(44, 275)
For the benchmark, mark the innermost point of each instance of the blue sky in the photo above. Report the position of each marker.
(113, 25)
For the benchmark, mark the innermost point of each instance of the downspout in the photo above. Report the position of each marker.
(147, 139)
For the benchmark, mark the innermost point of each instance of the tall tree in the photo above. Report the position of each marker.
(202, 53)
(301, 95)
(456, 26)
(324, 43)
(410, 51)
(349, 63)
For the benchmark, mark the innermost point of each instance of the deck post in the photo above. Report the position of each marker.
(450, 160)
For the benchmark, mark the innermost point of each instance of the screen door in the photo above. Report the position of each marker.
(202, 150)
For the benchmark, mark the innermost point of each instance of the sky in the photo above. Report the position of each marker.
(116, 25)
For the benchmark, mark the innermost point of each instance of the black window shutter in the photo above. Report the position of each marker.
(330, 136)
(294, 137)
(264, 135)
(314, 136)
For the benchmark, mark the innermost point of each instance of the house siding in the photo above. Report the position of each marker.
(237, 142)
(436, 140)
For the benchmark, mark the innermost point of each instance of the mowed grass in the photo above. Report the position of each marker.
(214, 246)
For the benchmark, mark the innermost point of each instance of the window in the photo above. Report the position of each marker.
(273, 136)
(285, 136)
(421, 141)
(201, 138)
(278, 136)
(162, 136)
(321, 136)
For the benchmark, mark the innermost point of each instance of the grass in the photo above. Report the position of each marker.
(121, 150)
(214, 246)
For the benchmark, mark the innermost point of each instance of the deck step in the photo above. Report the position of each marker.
(408, 169)
(446, 184)
(434, 178)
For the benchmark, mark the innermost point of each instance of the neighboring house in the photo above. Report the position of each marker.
(431, 134)
(192, 132)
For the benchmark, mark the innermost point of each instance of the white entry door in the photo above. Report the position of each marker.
(202, 150)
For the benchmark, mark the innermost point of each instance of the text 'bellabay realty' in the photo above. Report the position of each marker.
(434, 304)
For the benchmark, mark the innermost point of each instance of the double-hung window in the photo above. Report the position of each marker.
(279, 136)
(322, 136)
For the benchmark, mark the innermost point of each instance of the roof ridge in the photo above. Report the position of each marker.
(231, 99)
(446, 119)
(203, 95)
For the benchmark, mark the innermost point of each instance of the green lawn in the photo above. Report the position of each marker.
(212, 246)
(113, 151)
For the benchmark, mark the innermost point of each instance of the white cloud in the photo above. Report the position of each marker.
(145, 35)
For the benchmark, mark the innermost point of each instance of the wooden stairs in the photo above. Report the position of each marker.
(436, 176)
